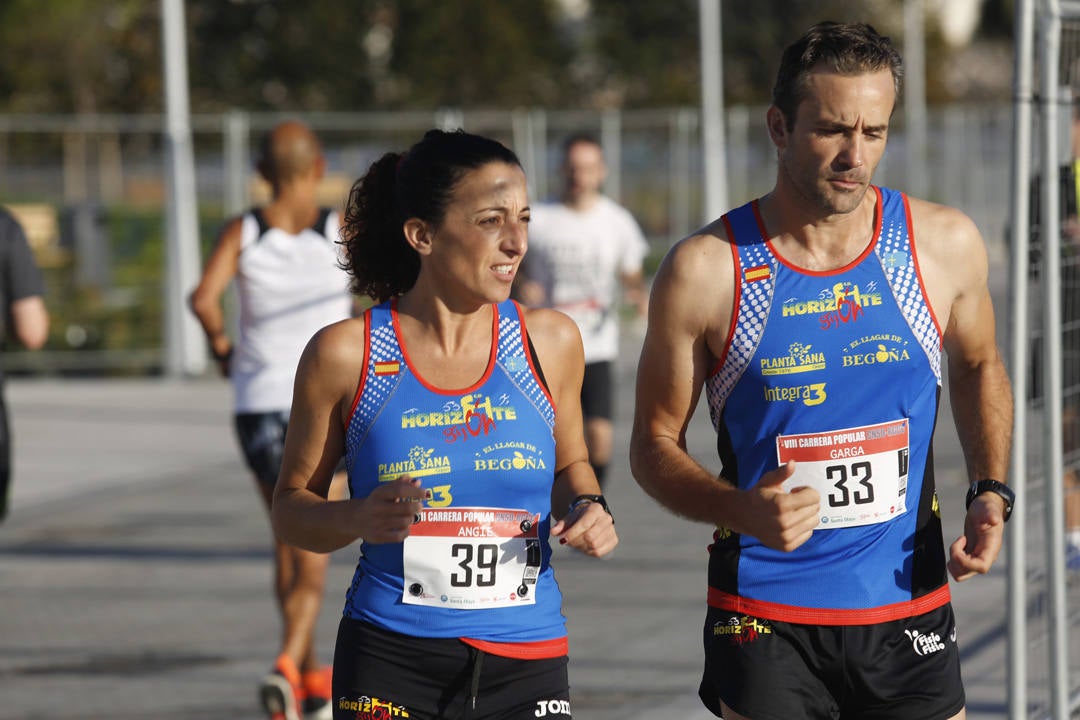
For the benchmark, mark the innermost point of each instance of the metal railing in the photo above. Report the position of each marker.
(104, 176)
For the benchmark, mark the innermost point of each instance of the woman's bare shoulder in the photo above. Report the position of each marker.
(337, 349)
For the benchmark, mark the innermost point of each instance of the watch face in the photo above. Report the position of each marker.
(598, 499)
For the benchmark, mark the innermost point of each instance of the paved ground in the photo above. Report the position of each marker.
(135, 583)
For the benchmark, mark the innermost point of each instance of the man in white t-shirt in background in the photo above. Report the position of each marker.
(581, 250)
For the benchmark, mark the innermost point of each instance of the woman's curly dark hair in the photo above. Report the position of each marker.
(417, 184)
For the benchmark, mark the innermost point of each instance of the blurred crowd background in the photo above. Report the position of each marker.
(82, 161)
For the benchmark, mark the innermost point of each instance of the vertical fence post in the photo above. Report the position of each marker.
(1050, 233)
(611, 141)
(915, 95)
(1019, 241)
(185, 347)
(235, 143)
(679, 218)
(712, 108)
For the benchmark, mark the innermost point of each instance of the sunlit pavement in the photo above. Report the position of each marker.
(135, 571)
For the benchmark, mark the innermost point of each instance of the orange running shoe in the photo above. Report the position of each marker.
(315, 684)
(280, 693)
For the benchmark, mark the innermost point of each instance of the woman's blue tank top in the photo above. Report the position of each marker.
(477, 562)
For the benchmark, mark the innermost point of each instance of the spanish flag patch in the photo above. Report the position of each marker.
(390, 367)
(754, 274)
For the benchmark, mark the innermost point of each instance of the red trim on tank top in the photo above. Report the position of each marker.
(537, 650)
(443, 391)
(363, 368)
(829, 616)
(529, 357)
(918, 270)
(823, 273)
(737, 266)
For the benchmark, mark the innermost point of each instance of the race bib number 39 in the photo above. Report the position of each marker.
(472, 558)
(861, 472)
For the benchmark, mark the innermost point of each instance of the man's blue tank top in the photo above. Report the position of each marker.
(841, 371)
(477, 565)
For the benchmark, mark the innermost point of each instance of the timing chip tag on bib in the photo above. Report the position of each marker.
(861, 473)
(472, 558)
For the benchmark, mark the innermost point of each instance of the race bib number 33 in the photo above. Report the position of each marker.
(472, 558)
(861, 472)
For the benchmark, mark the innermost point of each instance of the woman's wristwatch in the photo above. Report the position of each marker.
(585, 499)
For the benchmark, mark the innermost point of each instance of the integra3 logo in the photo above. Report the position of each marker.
(810, 395)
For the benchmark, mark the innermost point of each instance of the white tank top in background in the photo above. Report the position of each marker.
(288, 286)
(578, 257)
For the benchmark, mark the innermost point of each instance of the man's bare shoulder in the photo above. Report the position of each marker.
(953, 261)
(942, 230)
(694, 289)
(697, 257)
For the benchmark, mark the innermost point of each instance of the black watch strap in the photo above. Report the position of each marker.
(978, 487)
(599, 499)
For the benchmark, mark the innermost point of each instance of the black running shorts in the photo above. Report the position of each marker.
(262, 440)
(770, 670)
(598, 390)
(382, 674)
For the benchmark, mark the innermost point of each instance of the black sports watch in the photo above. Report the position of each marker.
(1004, 491)
(599, 499)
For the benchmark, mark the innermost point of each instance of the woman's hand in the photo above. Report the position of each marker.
(388, 513)
(587, 528)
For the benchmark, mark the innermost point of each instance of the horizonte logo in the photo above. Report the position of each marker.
(474, 412)
(842, 304)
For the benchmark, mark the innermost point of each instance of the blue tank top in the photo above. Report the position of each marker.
(841, 371)
(477, 562)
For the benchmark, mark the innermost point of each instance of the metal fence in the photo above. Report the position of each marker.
(1044, 597)
(91, 191)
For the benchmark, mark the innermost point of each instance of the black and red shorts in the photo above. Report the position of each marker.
(383, 675)
(771, 670)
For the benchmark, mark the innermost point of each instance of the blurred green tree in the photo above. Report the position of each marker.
(473, 53)
(645, 53)
(314, 55)
(81, 56)
(279, 54)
